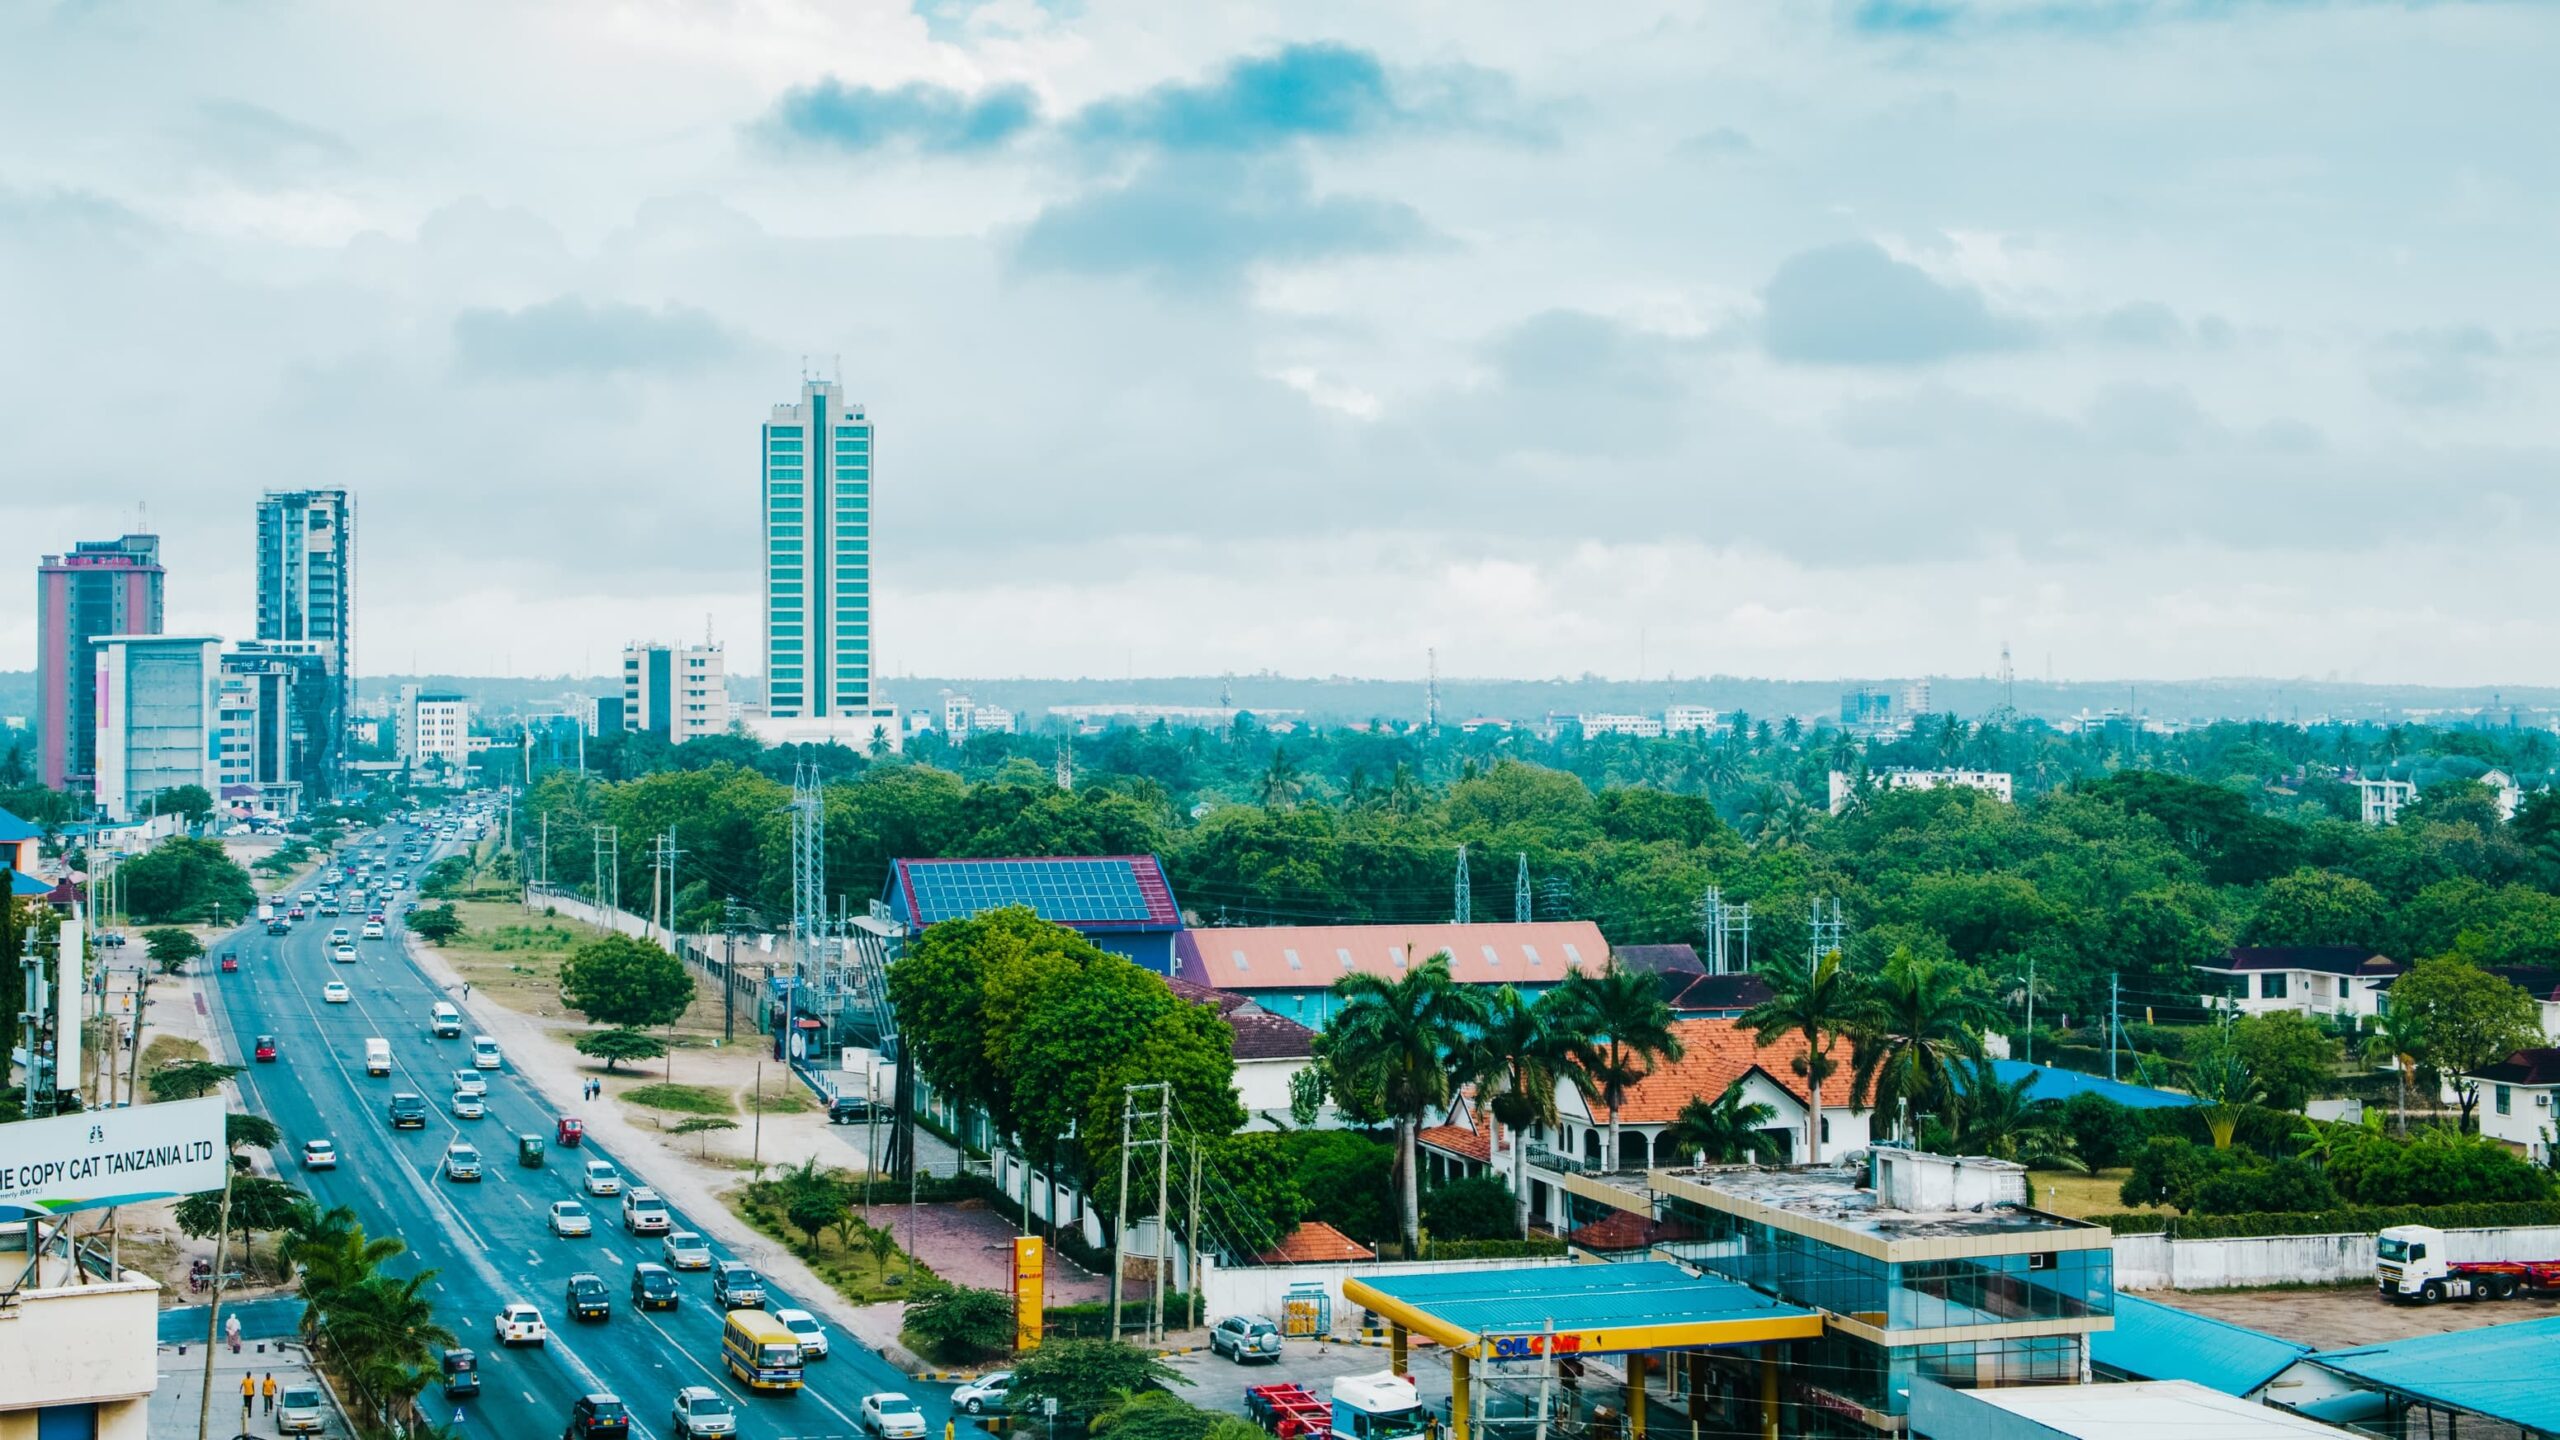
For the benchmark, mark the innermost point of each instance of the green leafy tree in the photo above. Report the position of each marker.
(1728, 1129)
(190, 802)
(2293, 1058)
(2469, 1019)
(2000, 1119)
(2102, 1133)
(619, 981)
(2436, 1166)
(1478, 1207)
(1921, 1018)
(2166, 1171)
(1398, 1041)
(2319, 907)
(188, 1079)
(257, 1204)
(702, 1125)
(2287, 1185)
(955, 1322)
(812, 1211)
(618, 1045)
(184, 880)
(255, 1132)
(1086, 1376)
(2399, 1039)
(171, 949)
(1817, 1001)
(435, 924)
(1618, 1028)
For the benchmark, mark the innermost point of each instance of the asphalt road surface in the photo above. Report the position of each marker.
(490, 1243)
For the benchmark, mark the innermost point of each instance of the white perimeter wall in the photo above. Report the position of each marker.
(2155, 1262)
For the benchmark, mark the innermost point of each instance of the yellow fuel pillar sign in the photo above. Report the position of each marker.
(1028, 1264)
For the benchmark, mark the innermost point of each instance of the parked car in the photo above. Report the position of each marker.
(597, 1417)
(300, 1411)
(588, 1299)
(653, 1287)
(813, 1336)
(892, 1416)
(736, 1286)
(1246, 1338)
(319, 1155)
(685, 1250)
(568, 1218)
(701, 1410)
(984, 1395)
(520, 1324)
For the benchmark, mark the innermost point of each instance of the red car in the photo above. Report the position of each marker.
(294, 914)
(230, 962)
(266, 1050)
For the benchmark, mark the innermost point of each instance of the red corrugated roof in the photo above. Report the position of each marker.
(1312, 957)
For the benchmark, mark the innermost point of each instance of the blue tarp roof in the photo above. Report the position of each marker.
(2152, 1341)
(2053, 1084)
(2501, 1371)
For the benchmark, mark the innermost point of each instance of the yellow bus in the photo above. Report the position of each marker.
(761, 1351)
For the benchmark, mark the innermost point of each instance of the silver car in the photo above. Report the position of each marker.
(1245, 1338)
(684, 1250)
(701, 1410)
(299, 1411)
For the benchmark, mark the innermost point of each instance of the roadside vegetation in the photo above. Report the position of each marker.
(812, 1212)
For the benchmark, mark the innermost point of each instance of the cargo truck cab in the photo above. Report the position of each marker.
(2410, 1264)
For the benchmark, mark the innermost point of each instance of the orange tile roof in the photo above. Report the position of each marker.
(1312, 957)
(1715, 1053)
(1458, 1140)
(1315, 1243)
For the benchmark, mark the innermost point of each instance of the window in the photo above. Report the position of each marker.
(2271, 987)
(2506, 1100)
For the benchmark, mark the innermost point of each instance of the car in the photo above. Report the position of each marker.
(310, 897)
(336, 992)
(1245, 1339)
(339, 935)
(467, 1106)
(408, 1111)
(328, 907)
(653, 1286)
(643, 1213)
(568, 1217)
(848, 1110)
(344, 954)
(319, 1155)
(521, 1324)
(373, 929)
(597, 1417)
(736, 1286)
(602, 1178)
(300, 1411)
(444, 1022)
(278, 927)
(984, 1395)
(265, 1050)
(462, 1161)
(813, 1336)
(892, 1416)
(469, 1082)
(701, 1410)
(484, 1053)
(296, 913)
(685, 1250)
(588, 1299)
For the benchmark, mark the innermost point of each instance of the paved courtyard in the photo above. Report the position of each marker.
(2338, 1317)
(968, 1243)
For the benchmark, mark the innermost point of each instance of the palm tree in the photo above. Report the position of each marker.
(2400, 1037)
(1515, 1060)
(2221, 1080)
(1624, 1028)
(334, 1255)
(1997, 1119)
(1819, 1002)
(1391, 1045)
(383, 1333)
(1921, 1017)
(1280, 785)
(1726, 1129)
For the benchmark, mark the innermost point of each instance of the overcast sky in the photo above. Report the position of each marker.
(2159, 337)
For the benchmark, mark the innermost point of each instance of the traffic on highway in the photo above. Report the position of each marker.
(591, 1305)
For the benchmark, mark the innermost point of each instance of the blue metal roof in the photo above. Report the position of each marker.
(1108, 892)
(12, 829)
(2501, 1371)
(23, 884)
(2152, 1341)
(2053, 1084)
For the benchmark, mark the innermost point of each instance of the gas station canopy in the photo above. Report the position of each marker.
(1587, 1309)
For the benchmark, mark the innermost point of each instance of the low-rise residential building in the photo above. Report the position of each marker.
(1641, 727)
(2542, 982)
(2345, 980)
(2516, 1104)
(1290, 969)
(1998, 784)
(2384, 798)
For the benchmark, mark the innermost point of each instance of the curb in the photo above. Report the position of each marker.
(946, 1377)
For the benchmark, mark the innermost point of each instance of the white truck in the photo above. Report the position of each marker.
(2409, 1264)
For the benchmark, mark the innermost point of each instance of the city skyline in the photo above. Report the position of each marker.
(1844, 339)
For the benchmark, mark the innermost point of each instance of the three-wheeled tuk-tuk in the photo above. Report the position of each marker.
(573, 1131)
(461, 1372)
(529, 1151)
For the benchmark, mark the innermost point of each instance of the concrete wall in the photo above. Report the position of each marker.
(1258, 1290)
(80, 1342)
(2155, 1262)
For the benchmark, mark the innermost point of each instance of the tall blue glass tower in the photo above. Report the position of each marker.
(817, 556)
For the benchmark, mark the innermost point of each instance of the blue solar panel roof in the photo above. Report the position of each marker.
(1098, 892)
(2153, 1341)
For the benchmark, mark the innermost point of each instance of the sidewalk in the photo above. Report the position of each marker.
(175, 1403)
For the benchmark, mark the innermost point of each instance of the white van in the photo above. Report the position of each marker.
(484, 1053)
(377, 1056)
(445, 1021)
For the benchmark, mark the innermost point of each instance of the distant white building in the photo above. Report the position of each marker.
(1997, 783)
(1688, 720)
(1915, 698)
(676, 692)
(1642, 727)
(2383, 799)
(863, 730)
(435, 733)
(2509, 794)
(2515, 1101)
(963, 717)
(2314, 980)
(159, 718)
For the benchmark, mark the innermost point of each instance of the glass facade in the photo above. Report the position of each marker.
(817, 518)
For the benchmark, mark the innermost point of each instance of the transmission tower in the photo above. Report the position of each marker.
(1827, 932)
(1465, 904)
(808, 857)
(1066, 765)
(1523, 909)
(1727, 930)
(608, 882)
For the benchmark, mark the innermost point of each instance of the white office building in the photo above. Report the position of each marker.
(1642, 727)
(1996, 783)
(963, 717)
(1689, 720)
(159, 716)
(435, 735)
(675, 692)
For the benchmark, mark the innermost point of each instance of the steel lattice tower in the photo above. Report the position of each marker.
(808, 856)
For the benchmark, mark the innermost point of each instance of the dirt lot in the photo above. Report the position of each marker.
(514, 955)
(2337, 1317)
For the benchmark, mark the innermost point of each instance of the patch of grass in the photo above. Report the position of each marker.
(160, 1050)
(855, 1274)
(780, 1097)
(2069, 1193)
(682, 1099)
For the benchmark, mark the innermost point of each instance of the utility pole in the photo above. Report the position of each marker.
(1199, 1272)
(1120, 1228)
(2031, 971)
(729, 969)
(2115, 1027)
(1164, 1206)
(608, 856)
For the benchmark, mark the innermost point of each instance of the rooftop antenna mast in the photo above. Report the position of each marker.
(2008, 681)
(1828, 934)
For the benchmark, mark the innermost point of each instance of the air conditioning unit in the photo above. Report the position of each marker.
(2542, 1101)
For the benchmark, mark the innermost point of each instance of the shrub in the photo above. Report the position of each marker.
(958, 1323)
(683, 1099)
(2103, 1133)
(2436, 1166)
(1478, 1207)
(2286, 1185)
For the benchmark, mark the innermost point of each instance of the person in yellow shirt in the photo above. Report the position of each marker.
(268, 1390)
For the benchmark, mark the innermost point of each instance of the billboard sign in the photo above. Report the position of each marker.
(110, 1157)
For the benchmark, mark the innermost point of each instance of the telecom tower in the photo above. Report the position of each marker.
(1431, 692)
(808, 858)
(1465, 904)
(1523, 909)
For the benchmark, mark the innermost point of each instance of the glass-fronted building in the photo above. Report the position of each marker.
(817, 556)
(306, 597)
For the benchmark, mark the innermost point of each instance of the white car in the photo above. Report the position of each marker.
(484, 1053)
(701, 1410)
(813, 1336)
(462, 1162)
(336, 992)
(467, 1106)
(983, 1394)
(468, 1082)
(521, 1324)
(319, 1155)
(685, 1250)
(602, 1178)
(892, 1416)
(344, 954)
(568, 1218)
(373, 929)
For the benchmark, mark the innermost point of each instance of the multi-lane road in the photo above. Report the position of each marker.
(490, 1243)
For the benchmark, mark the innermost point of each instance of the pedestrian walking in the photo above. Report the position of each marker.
(231, 1331)
(466, 989)
(268, 1390)
(248, 1392)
